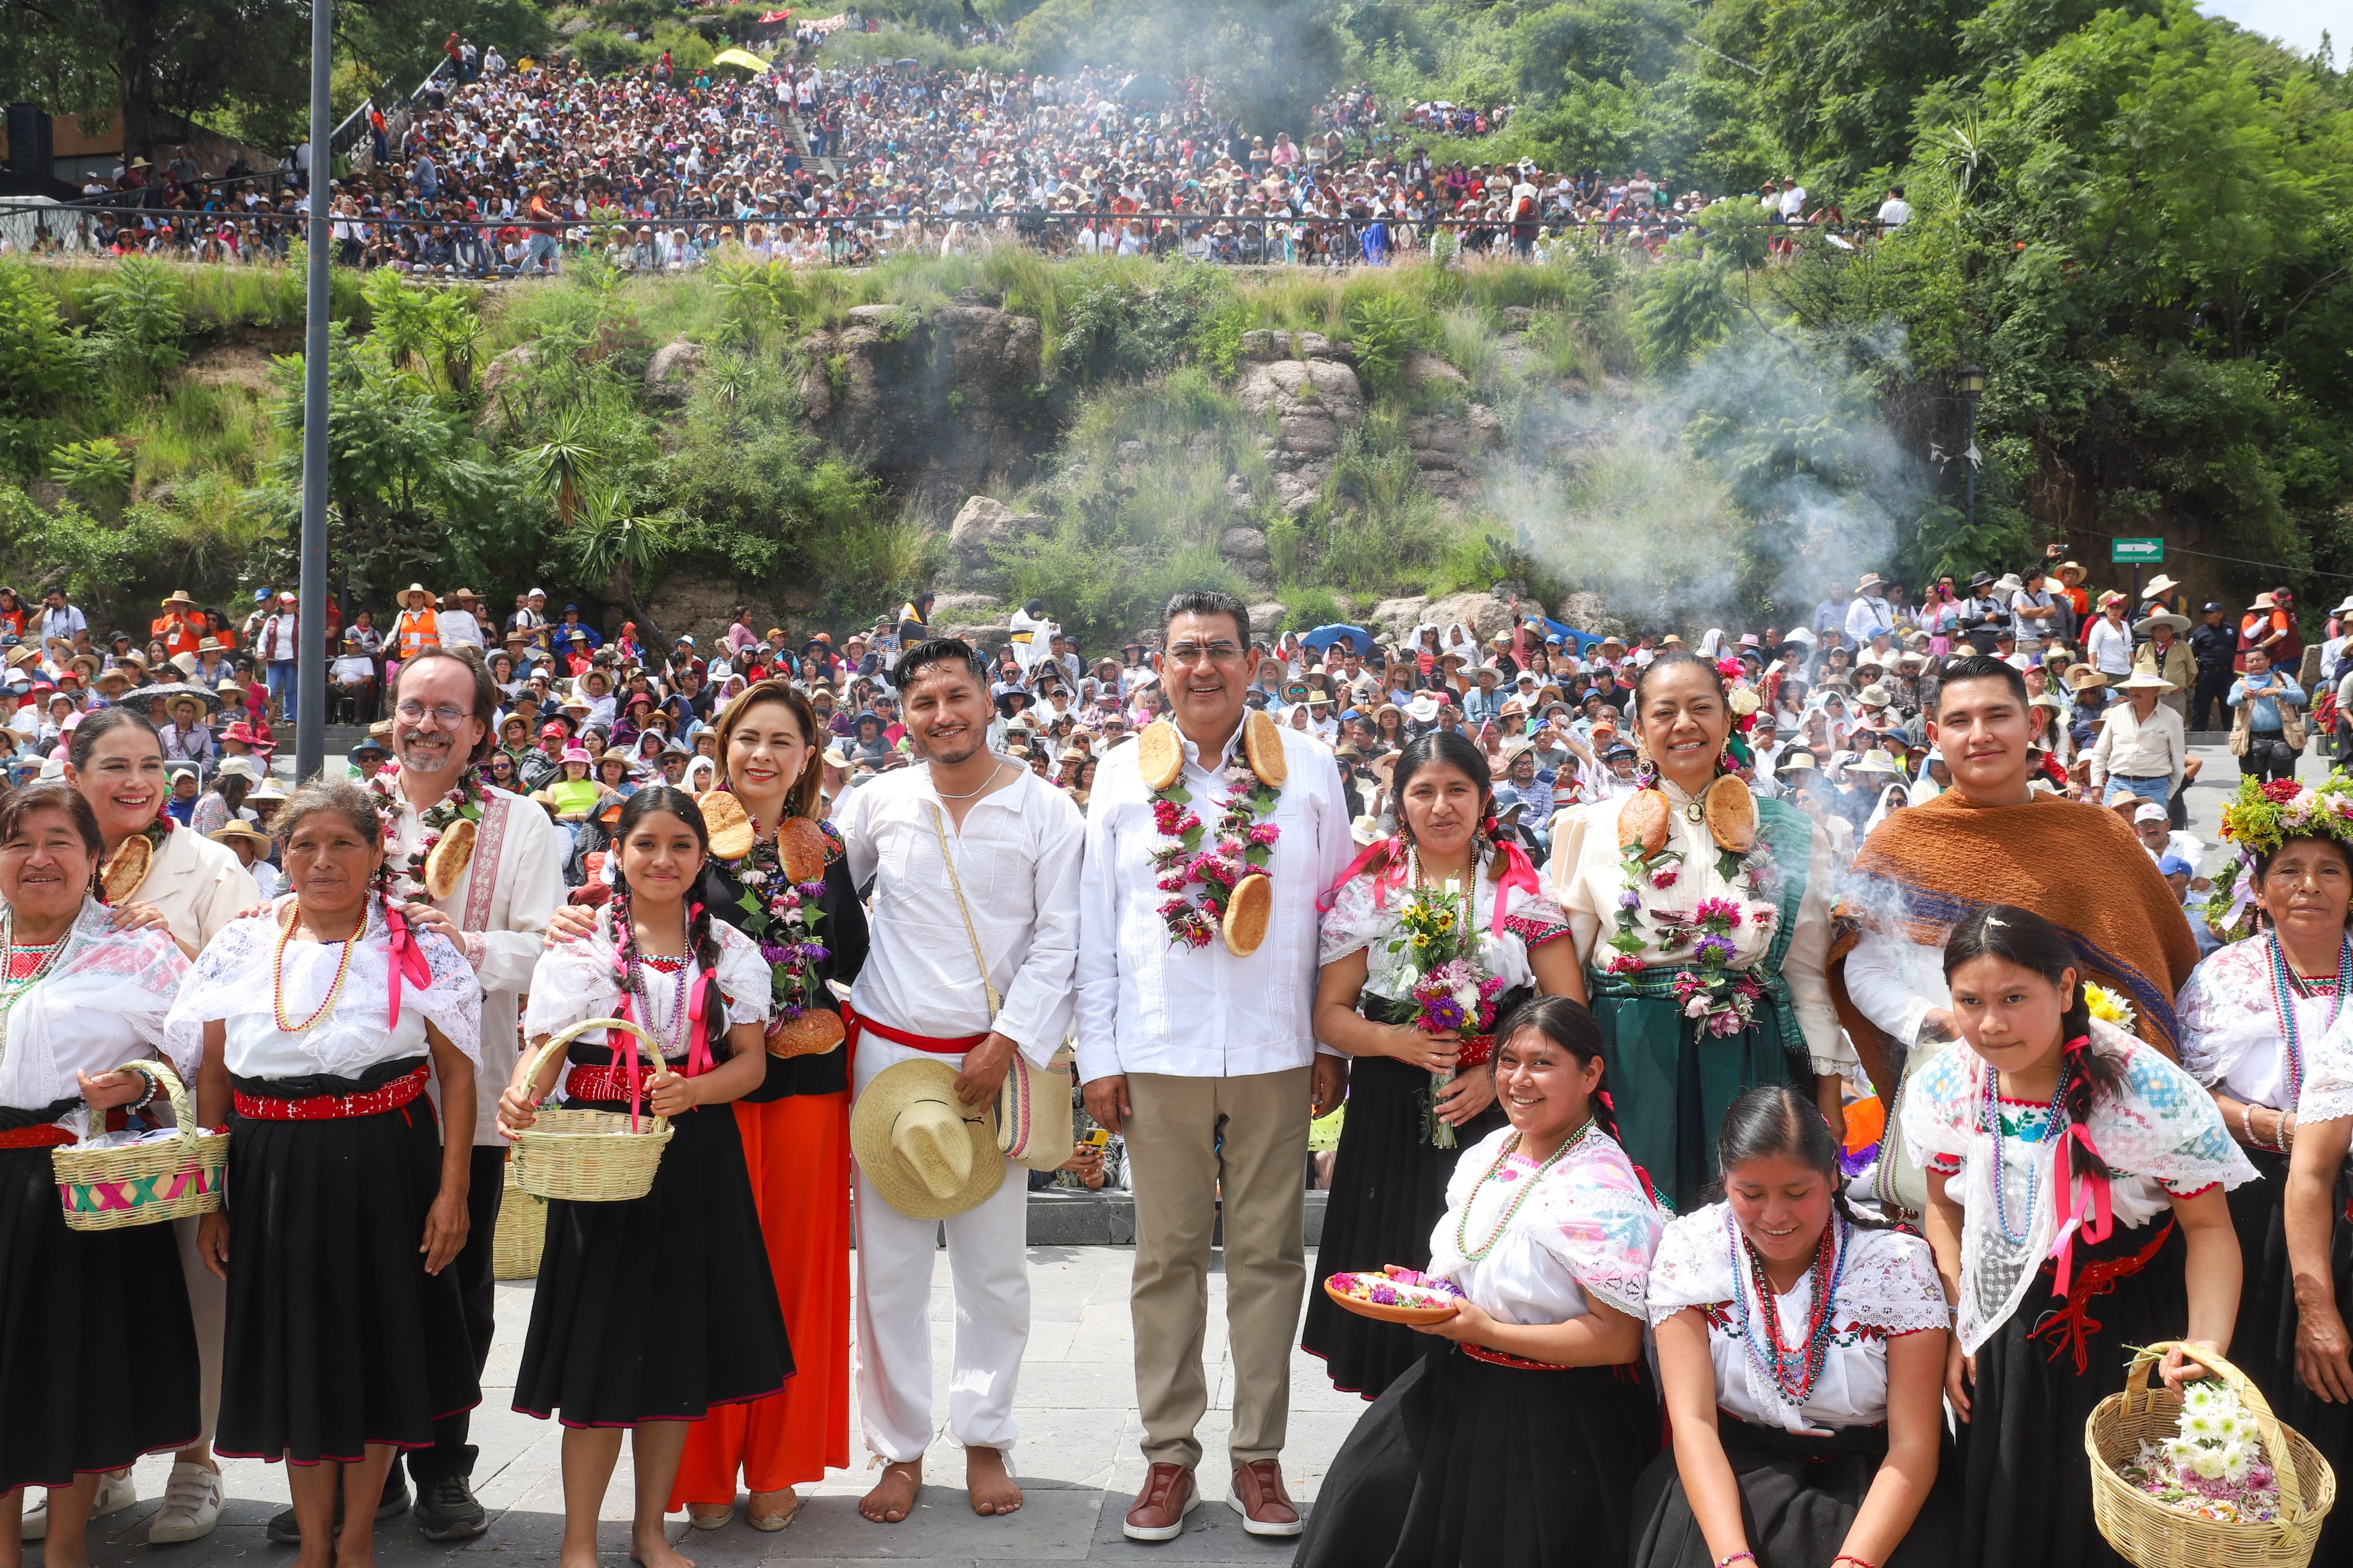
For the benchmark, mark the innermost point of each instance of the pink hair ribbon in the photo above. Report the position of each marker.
(408, 961)
(1392, 873)
(1517, 871)
(2096, 1213)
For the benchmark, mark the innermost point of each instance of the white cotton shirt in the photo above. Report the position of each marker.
(102, 1003)
(1587, 1230)
(582, 979)
(459, 628)
(1017, 859)
(1147, 1006)
(1886, 1288)
(2230, 1037)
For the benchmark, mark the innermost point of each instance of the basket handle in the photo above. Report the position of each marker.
(2267, 1426)
(161, 1075)
(562, 1038)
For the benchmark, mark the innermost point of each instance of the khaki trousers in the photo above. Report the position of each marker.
(1181, 1169)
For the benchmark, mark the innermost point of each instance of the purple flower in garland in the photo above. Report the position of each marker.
(1713, 947)
(776, 952)
(1629, 899)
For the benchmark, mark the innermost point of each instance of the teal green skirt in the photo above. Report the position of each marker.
(1670, 1089)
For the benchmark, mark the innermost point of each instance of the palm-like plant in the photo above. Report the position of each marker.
(567, 462)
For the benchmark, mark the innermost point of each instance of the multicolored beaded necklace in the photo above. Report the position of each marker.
(1792, 1368)
(2058, 1112)
(28, 963)
(1463, 1219)
(2286, 987)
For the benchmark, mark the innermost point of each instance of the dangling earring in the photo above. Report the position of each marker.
(1646, 772)
(1725, 762)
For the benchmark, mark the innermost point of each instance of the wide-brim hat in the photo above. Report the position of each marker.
(1423, 709)
(240, 829)
(2084, 677)
(2179, 623)
(2142, 681)
(1875, 761)
(925, 1151)
(180, 596)
(1796, 761)
(2158, 585)
(2263, 602)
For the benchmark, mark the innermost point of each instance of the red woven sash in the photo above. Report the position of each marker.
(376, 1101)
(46, 1135)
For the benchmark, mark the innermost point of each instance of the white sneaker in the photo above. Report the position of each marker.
(192, 1506)
(115, 1493)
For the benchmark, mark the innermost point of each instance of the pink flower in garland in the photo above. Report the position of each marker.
(1712, 910)
(1664, 876)
(1623, 964)
(1263, 833)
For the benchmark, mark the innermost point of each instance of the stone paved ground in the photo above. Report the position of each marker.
(1077, 1462)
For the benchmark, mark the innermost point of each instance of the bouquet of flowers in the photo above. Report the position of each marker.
(2214, 1465)
(1444, 982)
(1398, 1286)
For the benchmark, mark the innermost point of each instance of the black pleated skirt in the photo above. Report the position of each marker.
(2026, 1482)
(1388, 1191)
(98, 1359)
(659, 1307)
(337, 1338)
(1465, 1462)
(2262, 1344)
(1798, 1497)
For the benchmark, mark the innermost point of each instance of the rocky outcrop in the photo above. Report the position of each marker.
(669, 374)
(1246, 551)
(1299, 409)
(1483, 614)
(1266, 618)
(1589, 613)
(1399, 616)
(937, 408)
(983, 526)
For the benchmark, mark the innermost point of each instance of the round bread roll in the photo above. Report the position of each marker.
(728, 825)
(1159, 754)
(1643, 820)
(446, 866)
(1731, 813)
(1263, 748)
(817, 1029)
(800, 845)
(126, 868)
(1246, 912)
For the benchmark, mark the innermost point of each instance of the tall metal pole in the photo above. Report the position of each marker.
(1969, 477)
(311, 622)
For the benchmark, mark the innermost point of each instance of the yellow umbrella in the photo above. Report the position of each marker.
(744, 57)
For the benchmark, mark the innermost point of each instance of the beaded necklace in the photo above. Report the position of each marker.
(1792, 1368)
(2286, 986)
(672, 1033)
(277, 976)
(1463, 1219)
(2057, 1111)
(13, 989)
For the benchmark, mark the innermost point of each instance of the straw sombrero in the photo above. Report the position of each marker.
(924, 1153)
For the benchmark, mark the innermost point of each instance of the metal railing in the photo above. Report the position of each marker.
(355, 126)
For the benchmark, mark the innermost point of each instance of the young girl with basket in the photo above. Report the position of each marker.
(2091, 1219)
(1803, 1352)
(77, 1001)
(650, 1310)
(1519, 1444)
(316, 1026)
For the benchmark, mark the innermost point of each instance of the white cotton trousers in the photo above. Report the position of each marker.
(989, 1271)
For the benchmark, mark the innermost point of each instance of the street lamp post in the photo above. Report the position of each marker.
(310, 620)
(1972, 388)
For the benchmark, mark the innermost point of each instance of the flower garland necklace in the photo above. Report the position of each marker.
(2286, 986)
(1720, 999)
(1462, 1216)
(1792, 1368)
(1992, 1114)
(1242, 846)
(334, 987)
(404, 874)
(1439, 943)
(781, 916)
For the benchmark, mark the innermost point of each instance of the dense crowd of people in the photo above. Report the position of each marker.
(1702, 1013)
(503, 169)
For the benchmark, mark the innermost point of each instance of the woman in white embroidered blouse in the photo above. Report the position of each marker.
(2064, 1159)
(1821, 1424)
(1406, 1121)
(312, 1031)
(1547, 1235)
(653, 1311)
(77, 1000)
(2254, 1015)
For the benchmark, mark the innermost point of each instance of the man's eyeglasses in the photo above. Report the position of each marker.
(448, 715)
(1221, 653)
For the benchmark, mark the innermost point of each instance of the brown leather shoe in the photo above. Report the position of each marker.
(1259, 1498)
(1159, 1511)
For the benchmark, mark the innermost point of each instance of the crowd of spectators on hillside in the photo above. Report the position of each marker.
(500, 168)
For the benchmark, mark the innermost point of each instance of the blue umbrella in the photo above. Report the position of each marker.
(1567, 634)
(1323, 637)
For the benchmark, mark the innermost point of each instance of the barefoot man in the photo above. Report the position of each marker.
(1016, 842)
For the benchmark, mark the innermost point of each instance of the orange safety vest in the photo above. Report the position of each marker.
(416, 631)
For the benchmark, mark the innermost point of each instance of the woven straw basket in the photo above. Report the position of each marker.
(590, 1156)
(2146, 1531)
(146, 1183)
(521, 1232)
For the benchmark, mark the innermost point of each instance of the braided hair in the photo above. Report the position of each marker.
(1568, 1023)
(1775, 1120)
(701, 943)
(2025, 939)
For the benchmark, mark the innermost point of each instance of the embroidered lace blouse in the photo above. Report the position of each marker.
(232, 983)
(1365, 917)
(2161, 1134)
(1587, 1230)
(582, 979)
(1587, 878)
(1887, 1288)
(2231, 1035)
(102, 1003)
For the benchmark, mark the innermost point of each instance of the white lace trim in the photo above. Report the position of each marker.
(581, 979)
(1889, 1284)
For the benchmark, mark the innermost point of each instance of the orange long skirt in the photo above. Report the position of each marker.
(797, 1150)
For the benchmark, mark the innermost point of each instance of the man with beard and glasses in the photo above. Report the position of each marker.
(497, 914)
(1010, 891)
